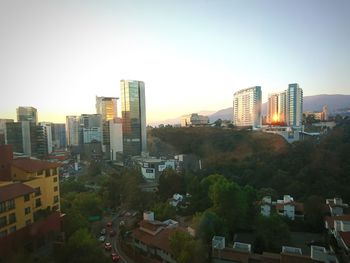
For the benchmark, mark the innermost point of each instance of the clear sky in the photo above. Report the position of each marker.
(192, 55)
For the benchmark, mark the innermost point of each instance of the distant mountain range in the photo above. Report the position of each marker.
(311, 103)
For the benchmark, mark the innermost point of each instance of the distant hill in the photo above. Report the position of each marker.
(311, 103)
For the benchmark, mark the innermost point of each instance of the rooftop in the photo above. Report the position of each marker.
(345, 236)
(330, 220)
(11, 191)
(32, 165)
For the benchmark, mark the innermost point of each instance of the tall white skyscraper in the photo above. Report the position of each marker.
(247, 107)
(294, 98)
(134, 117)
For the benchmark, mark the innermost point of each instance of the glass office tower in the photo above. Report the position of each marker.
(134, 117)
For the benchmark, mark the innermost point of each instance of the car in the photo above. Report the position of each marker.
(112, 233)
(109, 224)
(115, 257)
(103, 231)
(108, 246)
(102, 238)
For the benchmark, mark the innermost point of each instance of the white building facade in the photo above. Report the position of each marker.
(247, 107)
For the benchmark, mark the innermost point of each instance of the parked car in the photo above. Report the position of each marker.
(115, 257)
(103, 231)
(102, 238)
(108, 246)
(112, 233)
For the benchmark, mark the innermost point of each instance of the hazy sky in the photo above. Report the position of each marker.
(192, 55)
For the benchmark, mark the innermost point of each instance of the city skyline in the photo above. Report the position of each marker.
(58, 56)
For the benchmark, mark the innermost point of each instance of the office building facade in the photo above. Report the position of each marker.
(247, 107)
(72, 130)
(107, 107)
(27, 114)
(134, 117)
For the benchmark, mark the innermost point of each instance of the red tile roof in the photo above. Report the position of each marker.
(161, 240)
(330, 220)
(345, 236)
(31, 165)
(152, 226)
(11, 191)
(232, 254)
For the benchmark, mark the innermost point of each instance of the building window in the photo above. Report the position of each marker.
(2, 207)
(11, 204)
(55, 188)
(55, 199)
(27, 210)
(54, 171)
(28, 222)
(37, 202)
(3, 221)
(37, 191)
(12, 218)
(26, 198)
(40, 172)
(3, 233)
(12, 229)
(47, 172)
(55, 179)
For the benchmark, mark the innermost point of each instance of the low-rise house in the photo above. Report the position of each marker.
(242, 253)
(152, 237)
(265, 206)
(286, 207)
(336, 206)
(339, 227)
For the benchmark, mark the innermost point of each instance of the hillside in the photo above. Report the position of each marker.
(264, 160)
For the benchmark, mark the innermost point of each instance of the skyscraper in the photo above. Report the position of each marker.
(27, 114)
(247, 107)
(276, 112)
(294, 98)
(107, 107)
(72, 130)
(134, 116)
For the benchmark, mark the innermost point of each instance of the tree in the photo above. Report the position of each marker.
(88, 204)
(186, 249)
(74, 221)
(163, 211)
(170, 182)
(271, 233)
(208, 225)
(229, 203)
(314, 212)
(82, 247)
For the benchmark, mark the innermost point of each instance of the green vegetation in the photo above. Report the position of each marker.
(265, 160)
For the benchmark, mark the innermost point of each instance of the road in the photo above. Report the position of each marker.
(114, 240)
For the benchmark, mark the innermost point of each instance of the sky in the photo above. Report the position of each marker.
(192, 55)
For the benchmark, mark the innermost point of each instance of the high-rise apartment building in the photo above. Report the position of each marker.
(59, 140)
(47, 126)
(276, 108)
(247, 107)
(134, 117)
(3, 137)
(27, 114)
(72, 130)
(107, 107)
(294, 108)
